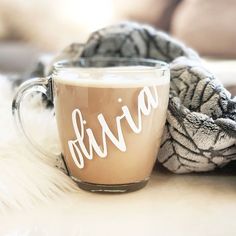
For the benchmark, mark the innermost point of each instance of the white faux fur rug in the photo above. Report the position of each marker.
(25, 178)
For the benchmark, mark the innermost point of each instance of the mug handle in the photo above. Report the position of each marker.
(44, 86)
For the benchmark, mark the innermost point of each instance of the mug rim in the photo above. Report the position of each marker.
(149, 63)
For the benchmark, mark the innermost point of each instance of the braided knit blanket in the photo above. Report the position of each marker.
(200, 129)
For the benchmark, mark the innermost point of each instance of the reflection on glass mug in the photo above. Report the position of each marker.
(110, 115)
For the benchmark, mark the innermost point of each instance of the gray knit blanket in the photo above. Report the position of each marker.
(200, 130)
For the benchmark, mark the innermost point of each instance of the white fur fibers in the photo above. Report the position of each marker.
(26, 178)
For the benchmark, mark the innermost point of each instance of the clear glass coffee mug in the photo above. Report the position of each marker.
(110, 115)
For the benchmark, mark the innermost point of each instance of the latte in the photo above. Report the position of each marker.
(110, 123)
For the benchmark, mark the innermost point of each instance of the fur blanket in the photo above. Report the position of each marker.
(25, 178)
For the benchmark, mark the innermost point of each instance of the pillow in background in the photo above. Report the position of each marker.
(207, 26)
(155, 12)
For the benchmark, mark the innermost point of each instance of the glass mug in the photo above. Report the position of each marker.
(110, 115)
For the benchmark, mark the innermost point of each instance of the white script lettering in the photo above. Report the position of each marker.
(147, 100)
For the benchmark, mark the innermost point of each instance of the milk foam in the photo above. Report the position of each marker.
(113, 77)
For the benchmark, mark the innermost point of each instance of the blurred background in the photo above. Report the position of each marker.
(31, 27)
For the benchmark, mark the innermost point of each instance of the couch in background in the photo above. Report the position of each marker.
(205, 25)
(30, 27)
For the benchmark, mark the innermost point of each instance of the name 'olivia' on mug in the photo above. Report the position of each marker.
(146, 102)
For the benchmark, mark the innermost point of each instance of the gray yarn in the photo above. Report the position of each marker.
(200, 130)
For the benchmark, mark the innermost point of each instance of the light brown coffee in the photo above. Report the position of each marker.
(107, 98)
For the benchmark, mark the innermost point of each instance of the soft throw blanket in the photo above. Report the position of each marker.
(199, 133)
